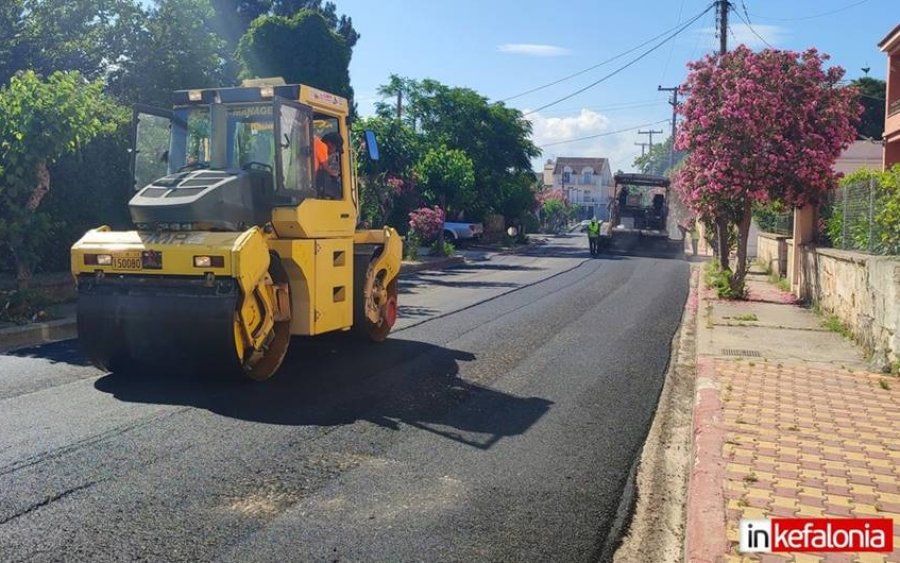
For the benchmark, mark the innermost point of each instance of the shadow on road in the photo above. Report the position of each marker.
(62, 352)
(335, 381)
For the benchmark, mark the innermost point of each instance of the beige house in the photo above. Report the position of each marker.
(587, 182)
(860, 154)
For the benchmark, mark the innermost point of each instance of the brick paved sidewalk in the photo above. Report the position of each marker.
(789, 423)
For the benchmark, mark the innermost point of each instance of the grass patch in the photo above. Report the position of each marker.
(884, 384)
(719, 279)
(782, 283)
(834, 324)
(748, 317)
(751, 478)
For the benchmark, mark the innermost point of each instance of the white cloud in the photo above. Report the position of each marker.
(534, 50)
(618, 148)
(742, 33)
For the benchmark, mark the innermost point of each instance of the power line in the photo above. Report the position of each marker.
(590, 68)
(750, 27)
(608, 133)
(847, 7)
(575, 111)
(623, 67)
(672, 48)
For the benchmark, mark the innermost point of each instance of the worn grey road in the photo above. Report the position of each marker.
(499, 423)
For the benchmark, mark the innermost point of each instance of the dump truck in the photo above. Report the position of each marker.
(245, 234)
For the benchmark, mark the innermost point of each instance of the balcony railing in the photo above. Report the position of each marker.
(894, 107)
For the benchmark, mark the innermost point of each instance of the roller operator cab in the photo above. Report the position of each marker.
(245, 213)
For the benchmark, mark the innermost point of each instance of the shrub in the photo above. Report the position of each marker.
(427, 223)
(719, 279)
(445, 250)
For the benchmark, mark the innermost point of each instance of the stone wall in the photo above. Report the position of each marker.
(863, 291)
(772, 252)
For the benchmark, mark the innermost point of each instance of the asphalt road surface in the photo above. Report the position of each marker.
(498, 423)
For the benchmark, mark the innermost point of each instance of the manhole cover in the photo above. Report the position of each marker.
(746, 353)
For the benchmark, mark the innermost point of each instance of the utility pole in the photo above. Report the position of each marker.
(399, 104)
(723, 6)
(643, 148)
(651, 132)
(674, 103)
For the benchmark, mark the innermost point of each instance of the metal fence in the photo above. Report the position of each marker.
(850, 219)
(776, 222)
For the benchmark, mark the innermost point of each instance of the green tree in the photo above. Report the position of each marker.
(342, 25)
(656, 160)
(40, 121)
(12, 26)
(495, 137)
(447, 177)
(301, 49)
(179, 49)
(397, 87)
(387, 185)
(89, 36)
(233, 17)
(872, 93)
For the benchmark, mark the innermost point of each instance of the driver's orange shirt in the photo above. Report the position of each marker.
(321, 153)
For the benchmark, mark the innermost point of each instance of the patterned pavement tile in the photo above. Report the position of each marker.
(804, 441)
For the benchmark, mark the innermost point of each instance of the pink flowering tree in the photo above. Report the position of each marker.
(760, 127)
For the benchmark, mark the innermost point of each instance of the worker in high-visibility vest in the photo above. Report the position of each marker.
(593, 231)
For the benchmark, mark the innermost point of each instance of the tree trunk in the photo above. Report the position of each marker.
(21, 255)
(740, 272)
(23, 273)
(42, 187)
(722, 241)
(440, 239)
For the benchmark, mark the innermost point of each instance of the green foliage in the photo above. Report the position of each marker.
(885, 222)
(84, 35)
(177, 48)
(23, 306)
(300, 49)
(872, 93)
(444, 248)
(720, 279)
(40, 121)
(387, 185)
(447, 179)
(772, 217)
(835, 324)
(656, 160)
(496, 139)
(411, 248)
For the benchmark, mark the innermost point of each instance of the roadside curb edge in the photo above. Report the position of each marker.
(37, 333)
(706, 535)
(450, 262)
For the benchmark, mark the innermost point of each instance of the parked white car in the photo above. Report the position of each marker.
(462, 231)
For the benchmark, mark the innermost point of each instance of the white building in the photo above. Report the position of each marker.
(586, 182)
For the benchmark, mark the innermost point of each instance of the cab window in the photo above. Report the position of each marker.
(328, 149)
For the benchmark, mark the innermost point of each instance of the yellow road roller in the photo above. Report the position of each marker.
(245, 215)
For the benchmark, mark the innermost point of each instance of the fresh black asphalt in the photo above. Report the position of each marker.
(502, 432)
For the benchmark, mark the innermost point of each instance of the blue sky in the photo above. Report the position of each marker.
(501, 48)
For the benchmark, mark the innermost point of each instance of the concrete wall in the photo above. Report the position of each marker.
(861, 290)
(772, 252)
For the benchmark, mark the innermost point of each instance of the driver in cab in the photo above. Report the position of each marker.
(328, 166)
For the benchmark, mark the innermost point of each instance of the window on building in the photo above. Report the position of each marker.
(587, 176)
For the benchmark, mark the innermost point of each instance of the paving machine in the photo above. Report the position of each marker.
(246, 234)
(638, 214)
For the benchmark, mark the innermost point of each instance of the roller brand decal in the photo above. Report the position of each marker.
(173, 238)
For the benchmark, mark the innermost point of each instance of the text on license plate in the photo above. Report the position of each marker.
(127, 261)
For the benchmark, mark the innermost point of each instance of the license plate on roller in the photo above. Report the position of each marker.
(127, 261)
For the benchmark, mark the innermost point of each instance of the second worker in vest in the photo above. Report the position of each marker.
(593, 231)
